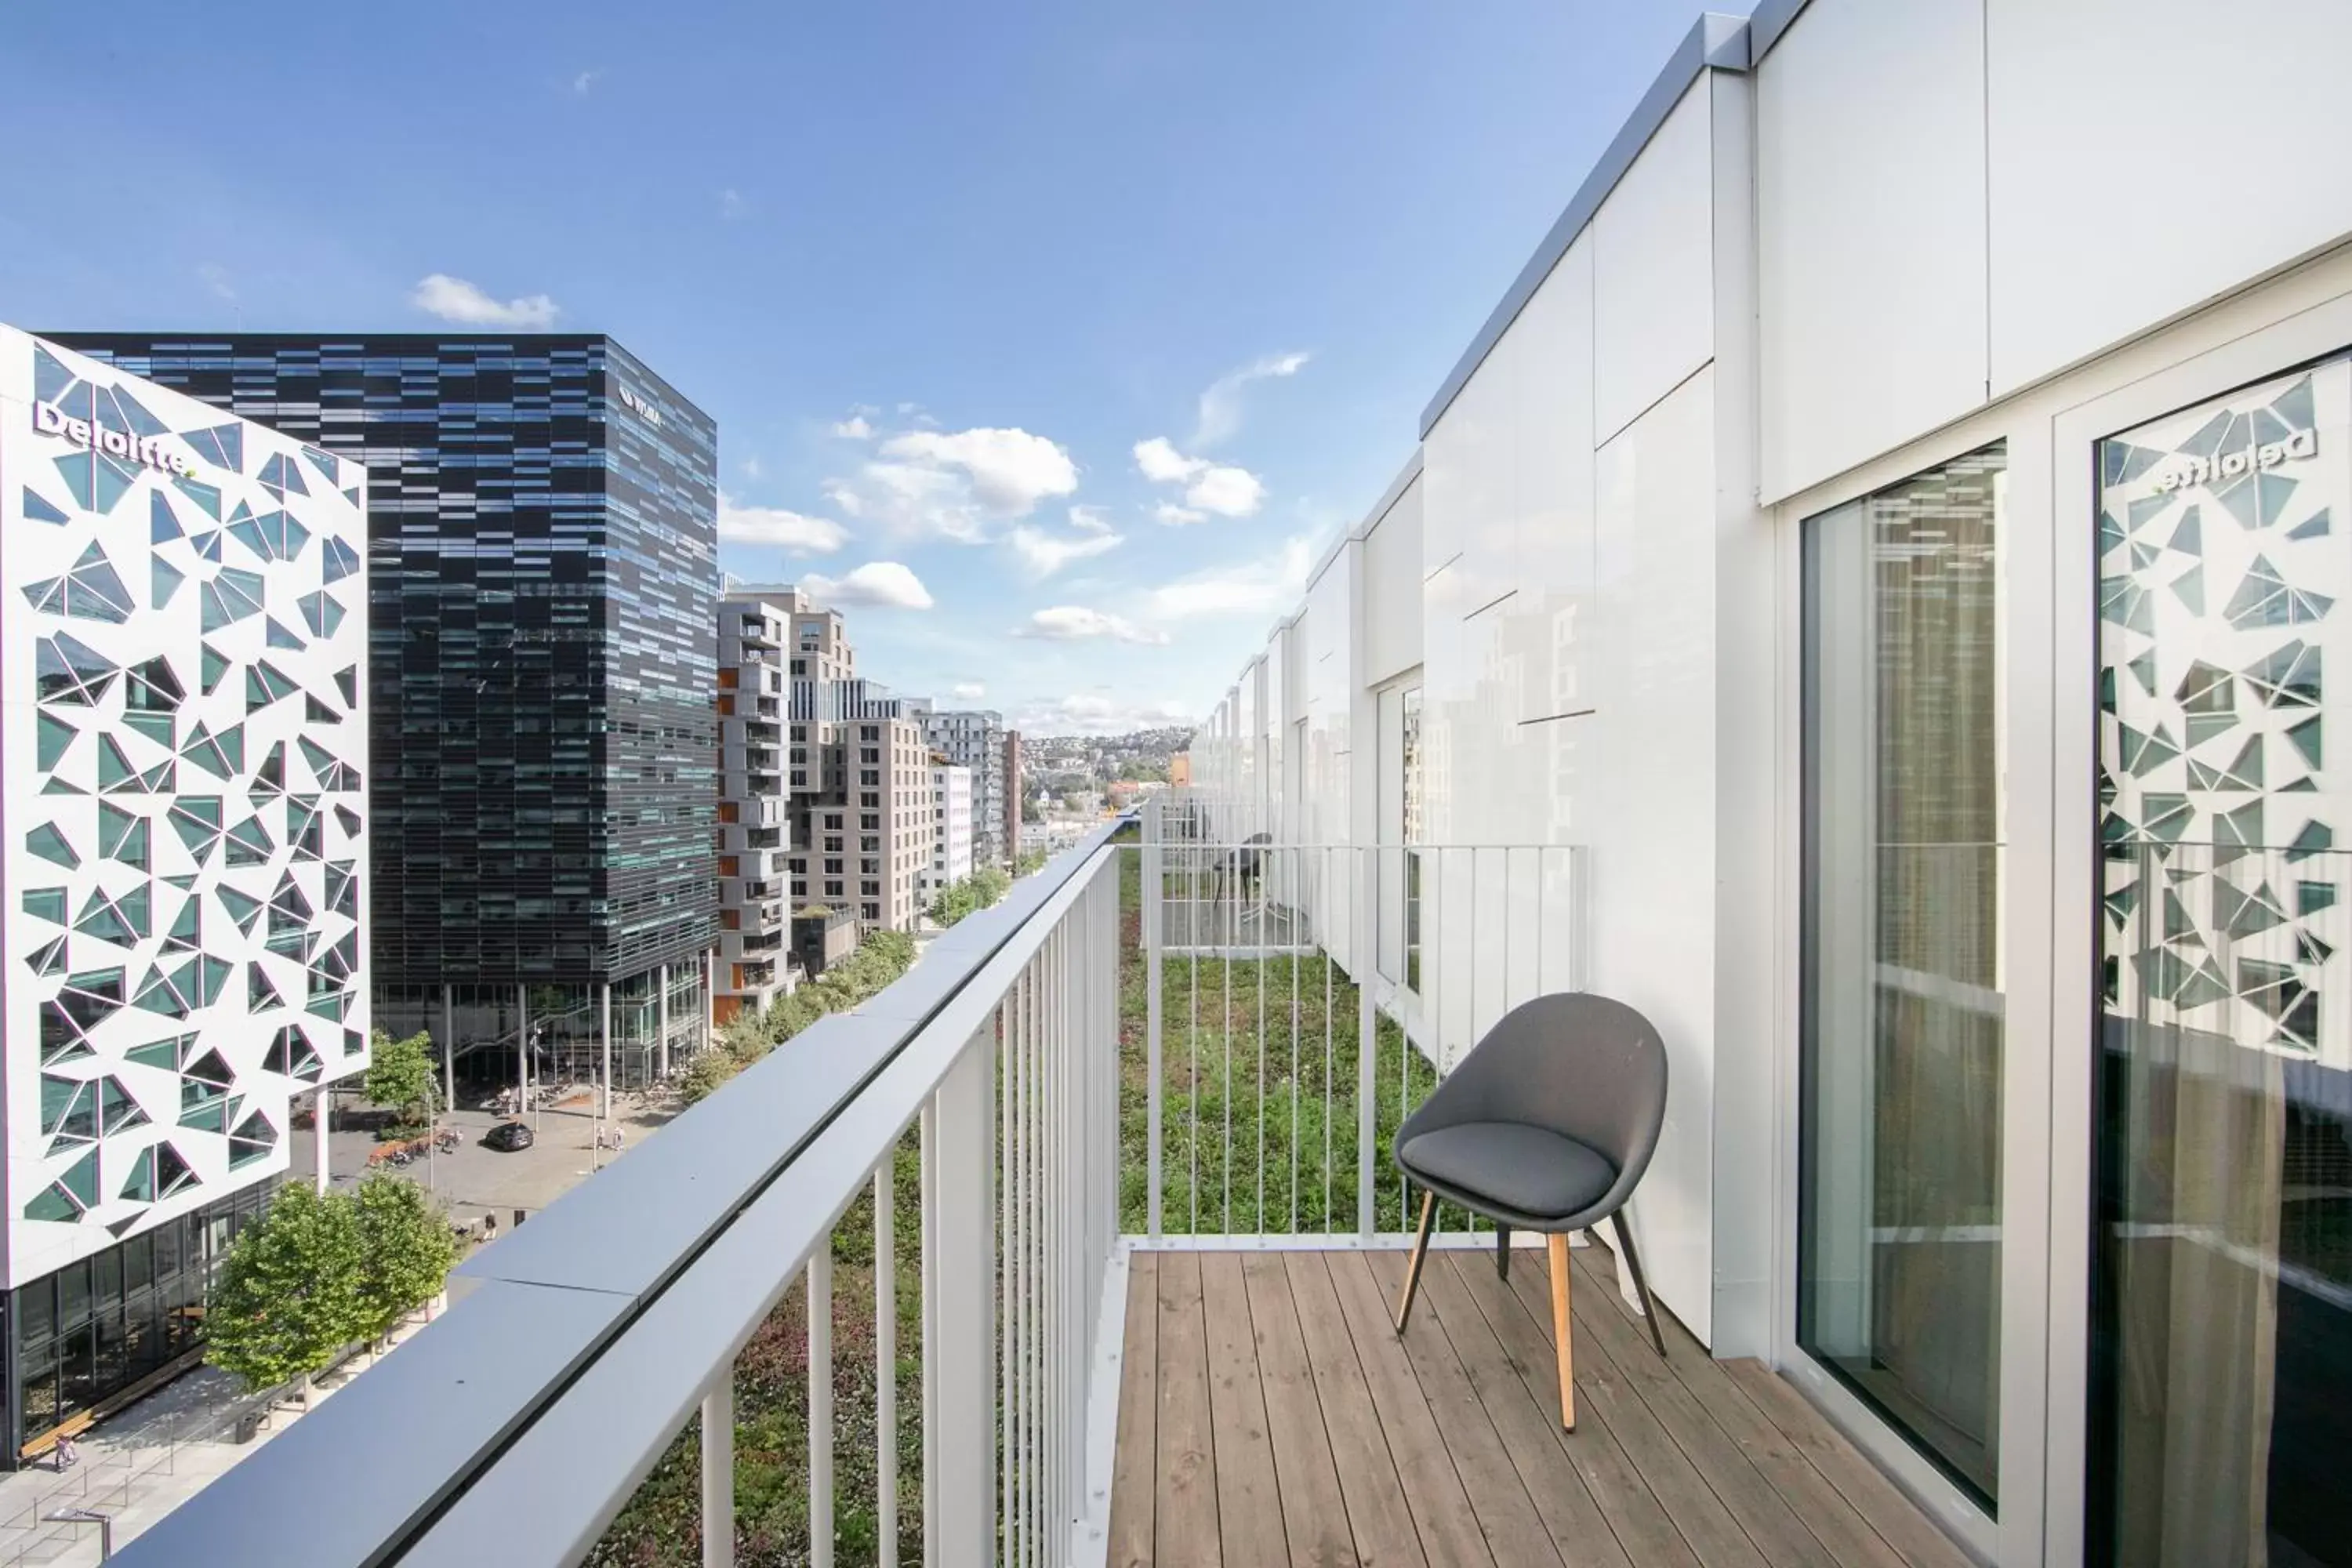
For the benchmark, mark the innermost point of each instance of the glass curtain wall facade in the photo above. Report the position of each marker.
(1899, 1204)
(542, 577)
(2221, 1301)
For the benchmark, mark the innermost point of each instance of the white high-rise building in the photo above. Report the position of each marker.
(183, 705)
(952, 828)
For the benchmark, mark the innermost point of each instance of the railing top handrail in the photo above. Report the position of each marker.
(534, 1316)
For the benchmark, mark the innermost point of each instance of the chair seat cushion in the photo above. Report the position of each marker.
(1529, 1170)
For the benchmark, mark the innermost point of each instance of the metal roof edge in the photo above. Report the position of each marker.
(1771, 19)
(1715, 42)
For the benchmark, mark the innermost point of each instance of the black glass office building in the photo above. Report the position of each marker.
(543, 576)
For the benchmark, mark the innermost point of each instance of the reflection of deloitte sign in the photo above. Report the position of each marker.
(146, 450)
(2231, 465)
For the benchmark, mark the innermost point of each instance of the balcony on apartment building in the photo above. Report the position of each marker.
(1139, 1295)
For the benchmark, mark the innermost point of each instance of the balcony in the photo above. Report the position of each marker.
(1104, 1177)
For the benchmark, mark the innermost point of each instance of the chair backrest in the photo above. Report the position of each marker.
(1582, 1065)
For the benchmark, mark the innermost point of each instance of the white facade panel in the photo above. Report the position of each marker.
(182, 677)
(1548, 624)
(1654, 912)
(1870, 174)
(1393, 571)
(1652, 243)
(2093, 96)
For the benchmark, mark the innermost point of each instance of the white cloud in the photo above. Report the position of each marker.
(1091, 713)
(967, 691)
(1075, 622)
(1262, 587)
(1010, 470)
(794, 531)
(1219, 487)
(1162, 464)
(957, 485)
(1090, 519)
(881, 584)
(216, 278)
(1045, 553)
(1175, 516)
(731, 204)
(455, 299)
(586, 80)
(1221, 405)
(1227, 491)
(751, 468)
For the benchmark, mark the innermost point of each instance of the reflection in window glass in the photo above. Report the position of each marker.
(1899, 1206)
(2221, 1296)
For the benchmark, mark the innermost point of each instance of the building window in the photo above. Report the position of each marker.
(873, 912)
(1899, 1253)
(833, 890)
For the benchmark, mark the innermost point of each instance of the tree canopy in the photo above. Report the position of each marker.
(288, 1295)
(400, 1075)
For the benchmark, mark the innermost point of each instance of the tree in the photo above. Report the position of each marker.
(400, 1077)
(406, 1251)
(289, 1297)
(1031, 813)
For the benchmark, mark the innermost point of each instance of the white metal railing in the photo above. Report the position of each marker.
(1150, 1043)
(576, 1348)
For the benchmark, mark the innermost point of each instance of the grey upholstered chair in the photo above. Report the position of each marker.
(1546, 1125)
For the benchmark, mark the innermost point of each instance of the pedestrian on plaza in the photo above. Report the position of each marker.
(66, 1455)
(490, 1228)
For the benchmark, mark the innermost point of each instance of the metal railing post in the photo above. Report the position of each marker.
(1154, 892)
(886, 1362)
(1367, 895)
(960, 1341)
(719, 1472)
(819, 1281)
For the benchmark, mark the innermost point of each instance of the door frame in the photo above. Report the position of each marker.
(2051, 429)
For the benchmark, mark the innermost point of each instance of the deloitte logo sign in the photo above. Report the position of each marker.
(149, 451)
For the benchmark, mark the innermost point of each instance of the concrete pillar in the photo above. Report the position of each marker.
(661, 1026)
(709, 993)
(449, 1047)
(604, 1028)
(522, 1048)
(319, 1131)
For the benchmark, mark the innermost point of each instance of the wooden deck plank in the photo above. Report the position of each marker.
(1132, 1486)
(1713, 1533)
(1898, 1520)
(1842, 1536)
(1518, 1529)
(1378, 1515)
(1641, 1518)
(1313, 1513)
(1466, 1520)
(1184, 1525)
(1728, 1472)
(1579, 1528)
(1269, 1414)
(1249, 1514)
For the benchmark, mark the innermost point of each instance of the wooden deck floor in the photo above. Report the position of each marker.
(1269, 1415)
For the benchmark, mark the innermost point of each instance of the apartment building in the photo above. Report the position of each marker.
(754, 804)
(952, 828)
(976, 739)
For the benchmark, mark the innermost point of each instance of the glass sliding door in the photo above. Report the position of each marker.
(1900, 1135)
(2221, 1283)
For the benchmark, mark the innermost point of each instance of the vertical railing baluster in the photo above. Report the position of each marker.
(818, 1281)
(926, 1244)
(1016, 1413)
(886, 1358)
(1154, 890)
(1229, 917)
(1330, 1175)
(1367, 1062)
(1297, 885)
(960, 1396)
(719, 1470)
(1007, 1034)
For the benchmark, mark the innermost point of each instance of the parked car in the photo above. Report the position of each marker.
(508, 1137)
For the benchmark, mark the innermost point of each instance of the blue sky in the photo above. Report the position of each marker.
(1055, 339)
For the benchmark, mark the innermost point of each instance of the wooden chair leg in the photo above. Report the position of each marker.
(1563, 1337)
(1640, 1286)
(1503, 1251)
(1420, 1251)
